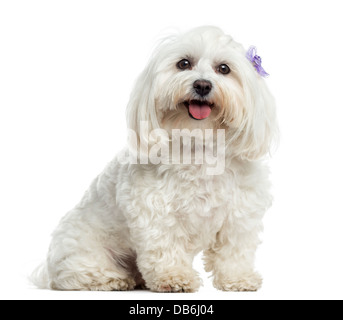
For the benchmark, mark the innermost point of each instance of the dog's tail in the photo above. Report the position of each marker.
(40, 277)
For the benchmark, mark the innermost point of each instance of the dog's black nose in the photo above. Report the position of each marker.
(202, 87)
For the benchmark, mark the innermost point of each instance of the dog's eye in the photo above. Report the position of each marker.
(224, 69)
(184, 64)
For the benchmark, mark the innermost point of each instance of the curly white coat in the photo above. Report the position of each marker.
(142, 224)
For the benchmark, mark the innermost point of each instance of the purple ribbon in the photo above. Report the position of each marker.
(256, 61)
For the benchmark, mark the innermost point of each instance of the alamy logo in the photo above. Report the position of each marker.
(182, 147)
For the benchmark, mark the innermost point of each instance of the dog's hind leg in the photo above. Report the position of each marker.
(87, 254)
(94, 269)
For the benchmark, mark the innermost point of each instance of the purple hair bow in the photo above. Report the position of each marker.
(256, 61)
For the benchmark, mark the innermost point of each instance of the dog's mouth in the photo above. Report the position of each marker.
(198, 109)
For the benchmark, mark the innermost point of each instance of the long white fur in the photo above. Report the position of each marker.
(142, 224)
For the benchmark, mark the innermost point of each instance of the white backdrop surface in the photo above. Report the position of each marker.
(66, 72)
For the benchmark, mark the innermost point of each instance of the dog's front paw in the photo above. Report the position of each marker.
(247, 282)
(186, 282)
(114, 285)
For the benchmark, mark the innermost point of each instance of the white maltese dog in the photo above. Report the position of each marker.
(192, 179)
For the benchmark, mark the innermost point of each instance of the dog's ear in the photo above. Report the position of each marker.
(141, 110)
(260, 131)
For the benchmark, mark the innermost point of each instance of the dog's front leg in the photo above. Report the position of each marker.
(231, 258)
(164, 262)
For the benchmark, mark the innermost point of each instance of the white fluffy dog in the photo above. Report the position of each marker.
(142, 222)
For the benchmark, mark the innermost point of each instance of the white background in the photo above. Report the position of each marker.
(66, 72)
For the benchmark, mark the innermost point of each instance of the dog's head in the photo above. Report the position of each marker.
(203, 80)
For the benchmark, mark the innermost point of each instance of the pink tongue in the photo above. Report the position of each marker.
(200, 111)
